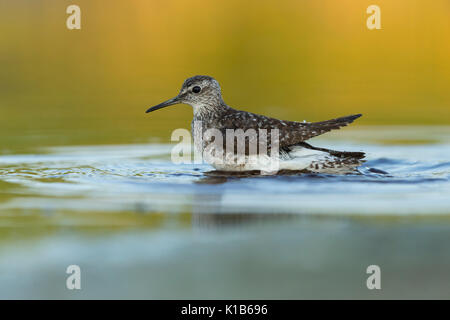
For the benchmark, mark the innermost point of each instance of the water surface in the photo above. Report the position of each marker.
(142, 227)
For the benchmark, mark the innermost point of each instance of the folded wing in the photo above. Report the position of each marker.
(290, 132)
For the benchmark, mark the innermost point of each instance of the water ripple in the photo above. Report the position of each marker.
(142, 178)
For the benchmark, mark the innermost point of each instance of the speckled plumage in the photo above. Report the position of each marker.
(213, 112)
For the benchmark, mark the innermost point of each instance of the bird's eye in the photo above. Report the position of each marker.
(196, 89)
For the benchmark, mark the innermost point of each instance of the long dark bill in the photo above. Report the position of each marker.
(167, 103)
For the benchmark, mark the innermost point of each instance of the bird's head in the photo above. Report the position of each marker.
(200, 92)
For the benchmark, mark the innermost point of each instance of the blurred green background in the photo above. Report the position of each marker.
(289, 59)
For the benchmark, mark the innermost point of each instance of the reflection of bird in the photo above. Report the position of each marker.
(204, 95)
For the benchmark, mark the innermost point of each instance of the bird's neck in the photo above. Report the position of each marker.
(209, 109)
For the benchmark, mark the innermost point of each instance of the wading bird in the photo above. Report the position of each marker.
(203, 93)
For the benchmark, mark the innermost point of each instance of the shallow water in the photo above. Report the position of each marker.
(142, 227)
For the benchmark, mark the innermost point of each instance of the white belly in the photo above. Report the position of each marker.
(299, 159)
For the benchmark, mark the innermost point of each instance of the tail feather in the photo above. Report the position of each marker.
(336, 123)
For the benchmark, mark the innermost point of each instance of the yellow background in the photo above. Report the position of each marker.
(289, 59)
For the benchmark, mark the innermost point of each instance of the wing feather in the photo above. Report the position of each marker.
(290, 132)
